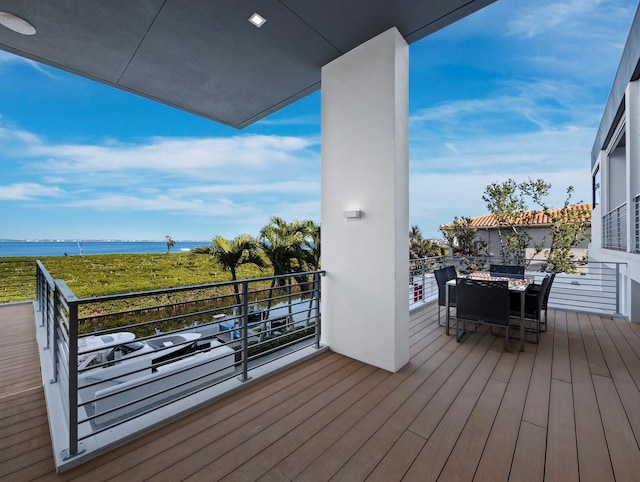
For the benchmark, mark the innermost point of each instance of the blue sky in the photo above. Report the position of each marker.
(513, 91)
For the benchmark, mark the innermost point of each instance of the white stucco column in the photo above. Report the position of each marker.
(632, 154)
(365, 144)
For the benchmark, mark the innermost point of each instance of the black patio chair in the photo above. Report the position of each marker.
(442, 276)
(535, 303)
(507, 270)
(531, 299)
(482, 302)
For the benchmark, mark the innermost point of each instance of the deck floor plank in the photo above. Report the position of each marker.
(223, 437)
(268, 457)
(365, 459)
(262, 440)
(561, 369)
(566, 409)
(376, 448)
(536, 409)
(529, 457)
(624, 382)
(308, 453)
(597, 363)
(623, 446)
(495, 462)
(562, 453)
(593, 453)
(398, 460)
(167, 437)
(465, 456)
(359, 435)
(434, 455)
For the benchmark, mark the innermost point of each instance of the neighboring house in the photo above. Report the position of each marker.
(615, 170)
(537, 225)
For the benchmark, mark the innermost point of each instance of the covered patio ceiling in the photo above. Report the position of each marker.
(205, 57)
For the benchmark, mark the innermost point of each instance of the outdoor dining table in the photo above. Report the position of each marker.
(516, 285)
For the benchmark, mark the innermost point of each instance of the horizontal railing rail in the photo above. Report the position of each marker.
(614, 229)
(117, 358)
(422, 285)
(585, 286)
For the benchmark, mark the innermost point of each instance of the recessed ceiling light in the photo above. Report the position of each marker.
(257, 19)
(17, 24)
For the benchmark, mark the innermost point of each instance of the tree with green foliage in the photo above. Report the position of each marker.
(461, 238)
(507, 202)
(311, 246)
(569, 227)
(421, 248)
(283, 244)
(170, 243)
(231, 254)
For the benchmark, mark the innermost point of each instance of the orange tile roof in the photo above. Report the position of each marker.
(534, 217)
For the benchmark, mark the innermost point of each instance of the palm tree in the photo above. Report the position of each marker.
(311, 246)
(312, 261)
(420, 247)
(231, 254)
(170, 243)
(283, 243)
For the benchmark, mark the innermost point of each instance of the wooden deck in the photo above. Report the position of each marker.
(567, 409)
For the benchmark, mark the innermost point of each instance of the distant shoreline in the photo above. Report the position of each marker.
(100, 241)
(15, 249)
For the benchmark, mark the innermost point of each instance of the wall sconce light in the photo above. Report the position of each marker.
(352, 214)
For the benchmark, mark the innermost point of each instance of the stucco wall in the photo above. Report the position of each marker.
(538, 235)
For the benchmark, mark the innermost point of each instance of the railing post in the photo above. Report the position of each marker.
(316, 286)
(46, 315)
(73, 382)
(56, 321)
(39, 288)
(424, 281)
(244, 329)
(617, 288)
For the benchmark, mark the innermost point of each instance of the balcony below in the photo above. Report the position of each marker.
(566, 409)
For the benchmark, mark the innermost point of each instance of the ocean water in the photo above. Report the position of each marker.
(77, 248)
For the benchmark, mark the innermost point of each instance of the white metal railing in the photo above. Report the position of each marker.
(614, 229)
(586, 286)
(636, 205)
(115, 359)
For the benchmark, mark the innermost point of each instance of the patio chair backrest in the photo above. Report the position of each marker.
(507, 270)
(545, 300)
(451, 272)
(483, 301)
(442, 276)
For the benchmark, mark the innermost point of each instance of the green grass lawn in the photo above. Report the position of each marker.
(108, 274)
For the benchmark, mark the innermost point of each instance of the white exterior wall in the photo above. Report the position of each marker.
(632, 107)
(365, 314)
(617, 189)
(617, 175)
(539, 235)
(596, 228)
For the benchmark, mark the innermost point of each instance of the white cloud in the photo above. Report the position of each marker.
(238, 180)
(298, 186)
(7, 59)
(541, 17)
(222, 207)
(27, 191)
(201, 157)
